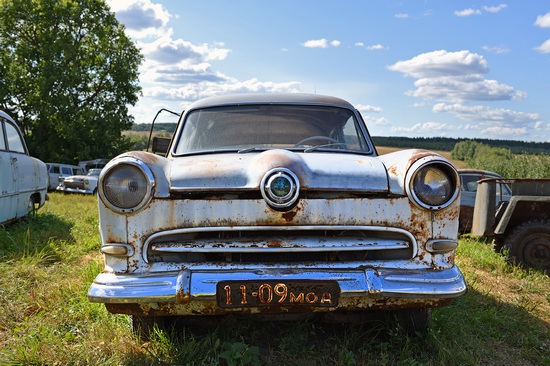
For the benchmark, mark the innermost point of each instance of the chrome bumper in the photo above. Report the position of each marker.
(187, 286)
(74, 190)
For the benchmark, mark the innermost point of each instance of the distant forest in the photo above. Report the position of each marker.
(429, 143)
(447, 144)
(159, 126)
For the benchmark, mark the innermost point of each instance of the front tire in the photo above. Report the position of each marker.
(529, 244)
(414, 321)
(143, 327)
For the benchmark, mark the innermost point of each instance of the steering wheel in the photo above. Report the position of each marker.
(307, 140)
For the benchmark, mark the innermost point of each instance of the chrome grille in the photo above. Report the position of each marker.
(280, 245)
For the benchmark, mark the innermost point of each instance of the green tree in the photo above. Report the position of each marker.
(68, 73)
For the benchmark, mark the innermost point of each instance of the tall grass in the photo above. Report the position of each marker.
(48, 262)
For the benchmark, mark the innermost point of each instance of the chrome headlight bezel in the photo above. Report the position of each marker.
(447, 169)
(119, 164)
(271, 197)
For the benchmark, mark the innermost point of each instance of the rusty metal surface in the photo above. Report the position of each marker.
(342, 172)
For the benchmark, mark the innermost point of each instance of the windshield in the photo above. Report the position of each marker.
(245, 128)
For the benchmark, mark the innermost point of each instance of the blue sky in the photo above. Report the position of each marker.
(416, 68)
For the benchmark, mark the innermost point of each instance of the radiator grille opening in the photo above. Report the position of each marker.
(283, 245)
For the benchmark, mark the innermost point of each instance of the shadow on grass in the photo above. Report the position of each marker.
(34, 235)
(476, 329)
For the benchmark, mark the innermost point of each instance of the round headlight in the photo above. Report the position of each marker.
(280, 188)
(126, 187)
(434, 185)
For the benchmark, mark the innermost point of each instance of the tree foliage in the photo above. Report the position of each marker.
(502, 161)
(68, 74)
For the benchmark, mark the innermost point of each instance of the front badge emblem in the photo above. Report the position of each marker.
(280, 188)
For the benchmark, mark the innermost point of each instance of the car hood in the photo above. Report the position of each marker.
(315, 171)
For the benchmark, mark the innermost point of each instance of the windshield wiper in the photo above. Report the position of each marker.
(250, 149)
(313, 148)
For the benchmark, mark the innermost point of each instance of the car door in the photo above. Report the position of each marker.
(21, 166)
(8, 199)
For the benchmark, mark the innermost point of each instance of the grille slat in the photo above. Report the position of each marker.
(283, 244)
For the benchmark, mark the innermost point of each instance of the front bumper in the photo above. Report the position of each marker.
(194, 292)
(74, 190)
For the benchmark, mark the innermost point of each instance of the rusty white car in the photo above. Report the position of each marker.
(277, 204)
(23, 179)
(84, 184)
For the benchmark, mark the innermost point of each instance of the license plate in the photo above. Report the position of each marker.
(239, 294)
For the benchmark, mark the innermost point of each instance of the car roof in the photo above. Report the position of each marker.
(6, 116)
(478, 171)
(270, 98)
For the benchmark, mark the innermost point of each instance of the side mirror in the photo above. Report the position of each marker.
(160, 145)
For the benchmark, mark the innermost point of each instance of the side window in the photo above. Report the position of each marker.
(352, 135)
(2, 142)
(15, 143)
(78, 172)
(66, 170)
(469, 183)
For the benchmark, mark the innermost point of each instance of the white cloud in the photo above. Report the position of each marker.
(359, 44)
(316, 43)
(543, 21)
(375, 121)
(141, 18)
(167, 51)
(442, 63)
(545, 47)
(426, 127)
(191, 92)
(454, 77)
(490, 117)
(499, 50)
(375, 47)
(464, 88)
(401, 16)
(320, 43)
(495, 9)
(467, 12)
(368, 108)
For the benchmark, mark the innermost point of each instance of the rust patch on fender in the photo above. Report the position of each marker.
(146, 157)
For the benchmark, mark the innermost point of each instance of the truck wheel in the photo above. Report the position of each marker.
(529, 244)
(414, 321)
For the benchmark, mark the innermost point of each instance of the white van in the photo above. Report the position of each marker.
(58, 172)
(23, 179)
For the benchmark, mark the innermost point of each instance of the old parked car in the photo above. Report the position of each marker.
(23, 179)
(277, 204)
(84, 184)
(468, 182)
(58, 172)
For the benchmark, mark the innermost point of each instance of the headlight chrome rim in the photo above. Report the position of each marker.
(447, 168)
(134, 163)
(277, 196)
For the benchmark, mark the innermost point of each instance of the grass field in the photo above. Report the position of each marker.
(48, 262)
